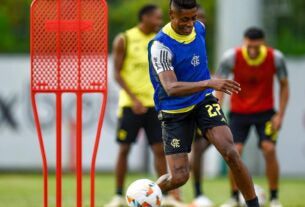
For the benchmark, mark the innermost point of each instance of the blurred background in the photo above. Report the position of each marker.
(283, 21)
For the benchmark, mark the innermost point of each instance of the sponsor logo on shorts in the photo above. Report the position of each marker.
(122, 134)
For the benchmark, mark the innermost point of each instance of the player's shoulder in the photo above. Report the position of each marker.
(200, 26)
(278, 54)
(156, 45)
(131, 30)
(199, 23)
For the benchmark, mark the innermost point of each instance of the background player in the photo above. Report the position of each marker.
(181, 79)
(136, 108)
(254, 66)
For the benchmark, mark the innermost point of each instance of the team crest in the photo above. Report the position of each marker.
(196, 60)
(175, 143)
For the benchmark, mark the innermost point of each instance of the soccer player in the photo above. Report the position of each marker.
(183, 97)
(199, 146)
(254, 66)
(136, 106)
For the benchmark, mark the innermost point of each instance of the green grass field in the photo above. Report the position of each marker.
(26, 190)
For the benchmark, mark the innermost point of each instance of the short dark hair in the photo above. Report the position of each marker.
(147, 9)
(183, 4)
(254, 33)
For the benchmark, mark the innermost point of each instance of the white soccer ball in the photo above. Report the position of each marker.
(144, 193)
(261, 195)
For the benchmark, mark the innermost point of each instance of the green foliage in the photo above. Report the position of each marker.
(14, 21)
(286, 18)
(287, 25)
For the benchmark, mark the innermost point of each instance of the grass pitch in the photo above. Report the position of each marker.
(25, 190)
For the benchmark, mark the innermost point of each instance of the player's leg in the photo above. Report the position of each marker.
(178, 172)
(128, 127)
(199, 146)
(152, 127)
(240, 127)
(272, 167)
(234, 188)
(222, 138)
(121, 167)
(267, 144)
(177, 133)
(212, 123)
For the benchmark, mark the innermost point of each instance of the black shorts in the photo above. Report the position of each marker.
(130, 124)
(178, 130)
(240, 125)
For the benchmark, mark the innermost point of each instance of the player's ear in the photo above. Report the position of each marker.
(144, 18)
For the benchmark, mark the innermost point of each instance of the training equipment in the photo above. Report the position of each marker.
(144, 193)
(69, 55)
(261, 195)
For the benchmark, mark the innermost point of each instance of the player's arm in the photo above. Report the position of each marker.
(161, 58)
(118, 54)
(225, 69)
(282, 75)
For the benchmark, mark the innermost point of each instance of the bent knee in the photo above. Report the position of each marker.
(180, 179)
(231, 155)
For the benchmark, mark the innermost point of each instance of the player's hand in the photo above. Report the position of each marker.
(276, 122)
(137, 107)
(223, 85)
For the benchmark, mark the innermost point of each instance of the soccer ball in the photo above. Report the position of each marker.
(144, 193)
(261, 195)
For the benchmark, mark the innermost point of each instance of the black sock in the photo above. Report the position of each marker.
(198, 191)
(234, 194)
(119, 191)
(253, 202)
(273, 194)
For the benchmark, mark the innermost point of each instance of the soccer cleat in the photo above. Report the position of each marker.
(117, 201)
(275, 203)
(202, 201)
(230, 203)
(170, 201)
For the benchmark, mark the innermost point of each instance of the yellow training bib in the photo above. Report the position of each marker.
(135, 71)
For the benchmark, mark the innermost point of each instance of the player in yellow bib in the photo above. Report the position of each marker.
(136, 104)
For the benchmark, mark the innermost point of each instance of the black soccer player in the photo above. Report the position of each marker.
(183, 97)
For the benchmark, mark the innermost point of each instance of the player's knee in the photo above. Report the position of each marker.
(268, 148)
(231, 156)
(179, 179)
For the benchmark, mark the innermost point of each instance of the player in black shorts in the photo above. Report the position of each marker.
(179, 128)
(255, 66)
(136, 107)
(240, 125)
(130, 124)
(183, 87)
